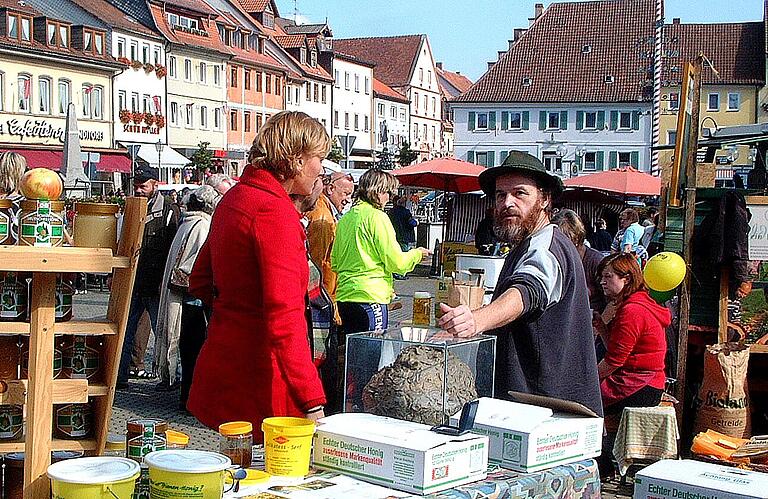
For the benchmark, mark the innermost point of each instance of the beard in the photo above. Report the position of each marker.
(514, 231)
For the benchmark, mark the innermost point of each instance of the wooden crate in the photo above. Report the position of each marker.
(40, 391)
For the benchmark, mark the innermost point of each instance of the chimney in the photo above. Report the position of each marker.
(518, 33)
(676, 20)
(510, 43)
(439, 65)
(538, 9)
(500, 54)
(490, 64)
(458, 73)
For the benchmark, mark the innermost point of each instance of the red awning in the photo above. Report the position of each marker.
(111, 163)
(41, 158)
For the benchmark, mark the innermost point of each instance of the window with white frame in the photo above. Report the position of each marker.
(187, 69)
(24, 86)
(553, 121)
(426, 110)
(357, 83)
(335, 119)
(97, 99)
(145, 103)
(121, 47)
(671, 137)
(367, 86)
(203, 76)
(674, 101)
(625, 160)
(156, 55)
(297, 100)
(313, 58)
(434, 106)
(482, 159)
(145, 53)
(713, 102)
(366, 124)
(734, 101)
(86, 91)
(590, 161)
(416, 102)
(590, 120)
(189, 119)
(324, 94)
(134, 50)
(515, 120)
(134, 102)
(288, 95)
(217, 75)
(346, 80)
(625, 120)
(204, 117)
(336, 81)
(421, 75)
(217, 118)
(122, 99)
(381, 108)
(246, 121)
(44, 94)
(2, 91)
(357, 121)
(481, 121)
(316, 92)
(403, 114)
(393, 112)
(172, 66)
(424, 130)
(346, 121)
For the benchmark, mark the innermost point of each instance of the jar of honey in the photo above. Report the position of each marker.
(6, 222)
(14, 296)
(41, 223)
(236, 442)
(96, 225)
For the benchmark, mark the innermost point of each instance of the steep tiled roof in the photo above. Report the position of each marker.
(19, 7)
(291, 41)
(352, 58)
(137, 10)
(572, 52)
(736, 50)
(193, 5)
(394, 56)
(305, 29)
(115, 17)
(452, 84)
(383, 91)
(254, 5)
(210, 42)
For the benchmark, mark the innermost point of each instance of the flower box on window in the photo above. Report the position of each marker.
(149, 118)
(124, 60)
(125, 116)
(160, 71)
(136, 65)
(160, 120)
(148, 68)
(138, 117)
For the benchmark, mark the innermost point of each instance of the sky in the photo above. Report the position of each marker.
(465, 34)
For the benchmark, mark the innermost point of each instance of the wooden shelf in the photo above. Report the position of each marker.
(60, 259)
(98, 390)
(57, 444)
(80, 328)
(758, 348)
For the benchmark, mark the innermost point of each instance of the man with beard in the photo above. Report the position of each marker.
(540, 308)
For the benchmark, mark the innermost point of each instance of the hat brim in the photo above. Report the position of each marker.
(545, 180)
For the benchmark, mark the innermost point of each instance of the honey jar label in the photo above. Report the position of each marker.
(42, 227)
(11, 420)
(79, 360)
(5, 229)
(13, 295)
(64, 292)
(57, 363)
(139, 445)
(142, 488)
(74, 420)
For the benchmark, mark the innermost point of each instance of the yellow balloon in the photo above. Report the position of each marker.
(664, 271)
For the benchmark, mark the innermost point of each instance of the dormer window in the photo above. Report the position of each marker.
(93, 42)
(177, 21)
(303, 55)
(269, 20)
(237, 39)
(19, 27)
(527, 82)
(58, 34)
(313, 58)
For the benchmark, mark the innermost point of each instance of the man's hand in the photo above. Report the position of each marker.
(315, 415)
(459, 321)
(425, 254)
(744, 289)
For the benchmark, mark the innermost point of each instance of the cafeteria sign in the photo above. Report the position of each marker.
(43, 130)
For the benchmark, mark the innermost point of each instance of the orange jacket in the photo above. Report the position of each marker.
(321, 234)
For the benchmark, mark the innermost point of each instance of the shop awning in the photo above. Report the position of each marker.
(169, 158)
(51, 159)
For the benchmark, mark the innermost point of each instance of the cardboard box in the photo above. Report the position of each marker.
(398, 454)
(696, 480)
(536, 432)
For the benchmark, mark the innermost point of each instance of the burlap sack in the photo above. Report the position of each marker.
(723, 399)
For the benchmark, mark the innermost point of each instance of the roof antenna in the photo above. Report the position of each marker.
(296, 12)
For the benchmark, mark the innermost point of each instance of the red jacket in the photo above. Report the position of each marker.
(637, 345)
(256, 361)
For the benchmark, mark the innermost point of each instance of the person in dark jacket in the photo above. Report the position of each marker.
(159, 231)
(485, 238)
(601, 240)
(404, 224)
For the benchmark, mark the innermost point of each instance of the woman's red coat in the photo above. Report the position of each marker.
(256, 360)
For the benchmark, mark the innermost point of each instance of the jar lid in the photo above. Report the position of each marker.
(115, 441)
(421, 294)
(94, 470)
(5, 203)
(140, 425)
(31, 204)
(235, 428)
(252, 477)
(187, 461)
(96, 208)
(176, 437)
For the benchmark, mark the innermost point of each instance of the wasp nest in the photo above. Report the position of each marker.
(412, 387)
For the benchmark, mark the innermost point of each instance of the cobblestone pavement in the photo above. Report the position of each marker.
(142, 401)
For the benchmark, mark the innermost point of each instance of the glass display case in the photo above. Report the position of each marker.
(418, 374)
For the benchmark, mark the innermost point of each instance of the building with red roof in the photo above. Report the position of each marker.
(392, 113)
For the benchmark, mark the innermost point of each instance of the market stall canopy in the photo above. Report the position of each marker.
(626, 181)
(445, 174)
(110, 161)
(169, 158)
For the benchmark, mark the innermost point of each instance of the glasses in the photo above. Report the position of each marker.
(347, 176)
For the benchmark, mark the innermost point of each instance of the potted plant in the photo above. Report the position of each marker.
(124, 60)
(125, 116)
(160, 71)
(138, 117)
(136, 65)
(160, 120)
(149, 118)
(148, 68)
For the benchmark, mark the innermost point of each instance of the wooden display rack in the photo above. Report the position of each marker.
(40, 392)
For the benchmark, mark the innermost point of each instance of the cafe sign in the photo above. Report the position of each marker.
(42, 129)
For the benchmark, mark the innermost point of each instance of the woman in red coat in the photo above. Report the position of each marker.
(256, 361)
(632, 371)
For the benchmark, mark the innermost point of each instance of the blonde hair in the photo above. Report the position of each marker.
(571, 225)
(283, 139)
(375, 182)
(12, 168)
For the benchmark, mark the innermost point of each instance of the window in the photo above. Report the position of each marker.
(233, 77)
(416, 102)
(316, 92)
(217, 118)
(174, 114)
(346, 121)
(298, 96)
(552, 162)
(713, 102)
(121, 47)
(308, 87)
(336, 81)
(335, 119)
(393, 112)
(98, 103)
(553, 121)
(134, 102)
(44, 95)
(434, 106)
(674, 101)
(268, 83)
(625, 160)
(19, 27)
(257, 77)
(303, 55)
(288, 95)
(269, 20)
(429, 77)
(188, 115)
(156, 55)
(482, 121)
(671, 137)
(258, 121)
(203, 69)
(134, 51)
(145, 53)
(172, 66)
(25, 93)
(625, 120)
(366, 124)
(158, 105)
(426, 110)
(313, 58)
(217, 75)
(357, 121)
(346, 80)
(434, 134)
(357, 83)
(403, 114)
(515, 120)
(421, 75)
(247, 78)
(233, 121)
(324, 95)
(187, 70)
(381, 108)
(590, 120)
(173, 19)
(424, 137)
(247, 121)
(58, 35)
(87, 89)
(145, 106)
(590, 161)
(734, 100)
(204, 117)
(122, 99)
(485, 159)
(65, 96)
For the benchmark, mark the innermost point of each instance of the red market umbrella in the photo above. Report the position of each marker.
(626, 181)
(445, 174)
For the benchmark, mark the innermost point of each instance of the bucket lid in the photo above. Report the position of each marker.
(187, 461)
(96, 208)
(94, 470)
(252, 477)
(115, 442)
(235, 428)
(176, 437)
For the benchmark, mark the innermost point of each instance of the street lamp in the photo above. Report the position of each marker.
(159, 146)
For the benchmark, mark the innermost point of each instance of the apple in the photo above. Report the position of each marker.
(41, 183)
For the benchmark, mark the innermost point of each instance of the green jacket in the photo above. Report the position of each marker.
(366, 253)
